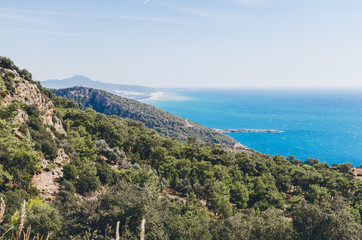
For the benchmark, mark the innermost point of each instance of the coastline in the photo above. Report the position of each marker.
(306, 129)
(244, 130)
(154, 96)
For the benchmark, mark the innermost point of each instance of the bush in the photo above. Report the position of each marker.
(2, 83)
(63, 102)
(9, 111)
(8, 64)
(35, 123)
(70, 173)
(13, 201)
(21, 162)
(25, 74)
(32, 110)
(49, 148)
(88, 183)
(44, 141)
(4, 93)
(69, 150)
(9, 82)
(345, 167)
(320, 222)
(43, 219)
(105, 173)
(113, 155)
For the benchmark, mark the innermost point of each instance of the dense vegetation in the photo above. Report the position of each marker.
(122, 171)
(163, 122)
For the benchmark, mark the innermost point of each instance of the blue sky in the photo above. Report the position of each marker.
(188, 43)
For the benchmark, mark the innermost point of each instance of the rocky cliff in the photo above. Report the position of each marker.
(28, 93)
(16, 89)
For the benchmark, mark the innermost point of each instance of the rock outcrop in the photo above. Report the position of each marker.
(29, 93)
(47, 182)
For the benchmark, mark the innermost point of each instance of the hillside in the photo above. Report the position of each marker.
(163, 122)
(66, 173)
(129, 91)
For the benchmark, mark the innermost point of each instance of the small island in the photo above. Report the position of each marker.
(244, 130)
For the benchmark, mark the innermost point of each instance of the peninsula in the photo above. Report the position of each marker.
(244, 130)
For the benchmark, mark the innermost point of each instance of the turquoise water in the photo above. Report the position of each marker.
(324, 124)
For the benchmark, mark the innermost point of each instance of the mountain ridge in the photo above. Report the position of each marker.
(130, 91)
(157, 119)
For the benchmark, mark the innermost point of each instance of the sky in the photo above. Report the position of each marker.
(188, 43)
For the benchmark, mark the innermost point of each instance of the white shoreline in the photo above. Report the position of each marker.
(154, 96)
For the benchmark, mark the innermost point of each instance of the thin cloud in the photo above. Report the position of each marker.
(24, 19)
(145, 2)
(196, 12)
(65, 34)
(205, 13)
(139, 18)
(120, 17)
(252, 3)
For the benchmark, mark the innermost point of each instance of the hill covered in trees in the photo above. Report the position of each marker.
(163, 122)
(76, 173)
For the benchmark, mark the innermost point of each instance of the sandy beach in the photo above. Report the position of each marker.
(154, 96)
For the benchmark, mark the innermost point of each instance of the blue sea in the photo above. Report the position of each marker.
(316, 123)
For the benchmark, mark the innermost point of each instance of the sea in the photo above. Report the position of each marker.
(315, 123)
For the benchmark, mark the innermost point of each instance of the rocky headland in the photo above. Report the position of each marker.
(244, 130)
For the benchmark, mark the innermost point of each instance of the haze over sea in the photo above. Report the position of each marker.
(316, 123)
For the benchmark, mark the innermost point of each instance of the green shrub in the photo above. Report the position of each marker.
(9, 82)
(32, 110)
(21, 162)
(43, 140)
(13, 201)
(25, 74)
(8, 64)
(105, 173)
(10, 111)
(345, 167)
(70, 173)
(49, 148)
(88, 183)
(2, 83)
(4, 93)
(43, 219)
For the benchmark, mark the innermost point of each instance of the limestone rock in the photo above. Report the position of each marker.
(48, 180)
(28, 93)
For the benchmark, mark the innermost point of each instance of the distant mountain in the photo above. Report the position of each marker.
(162, 121)
(129, 91)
